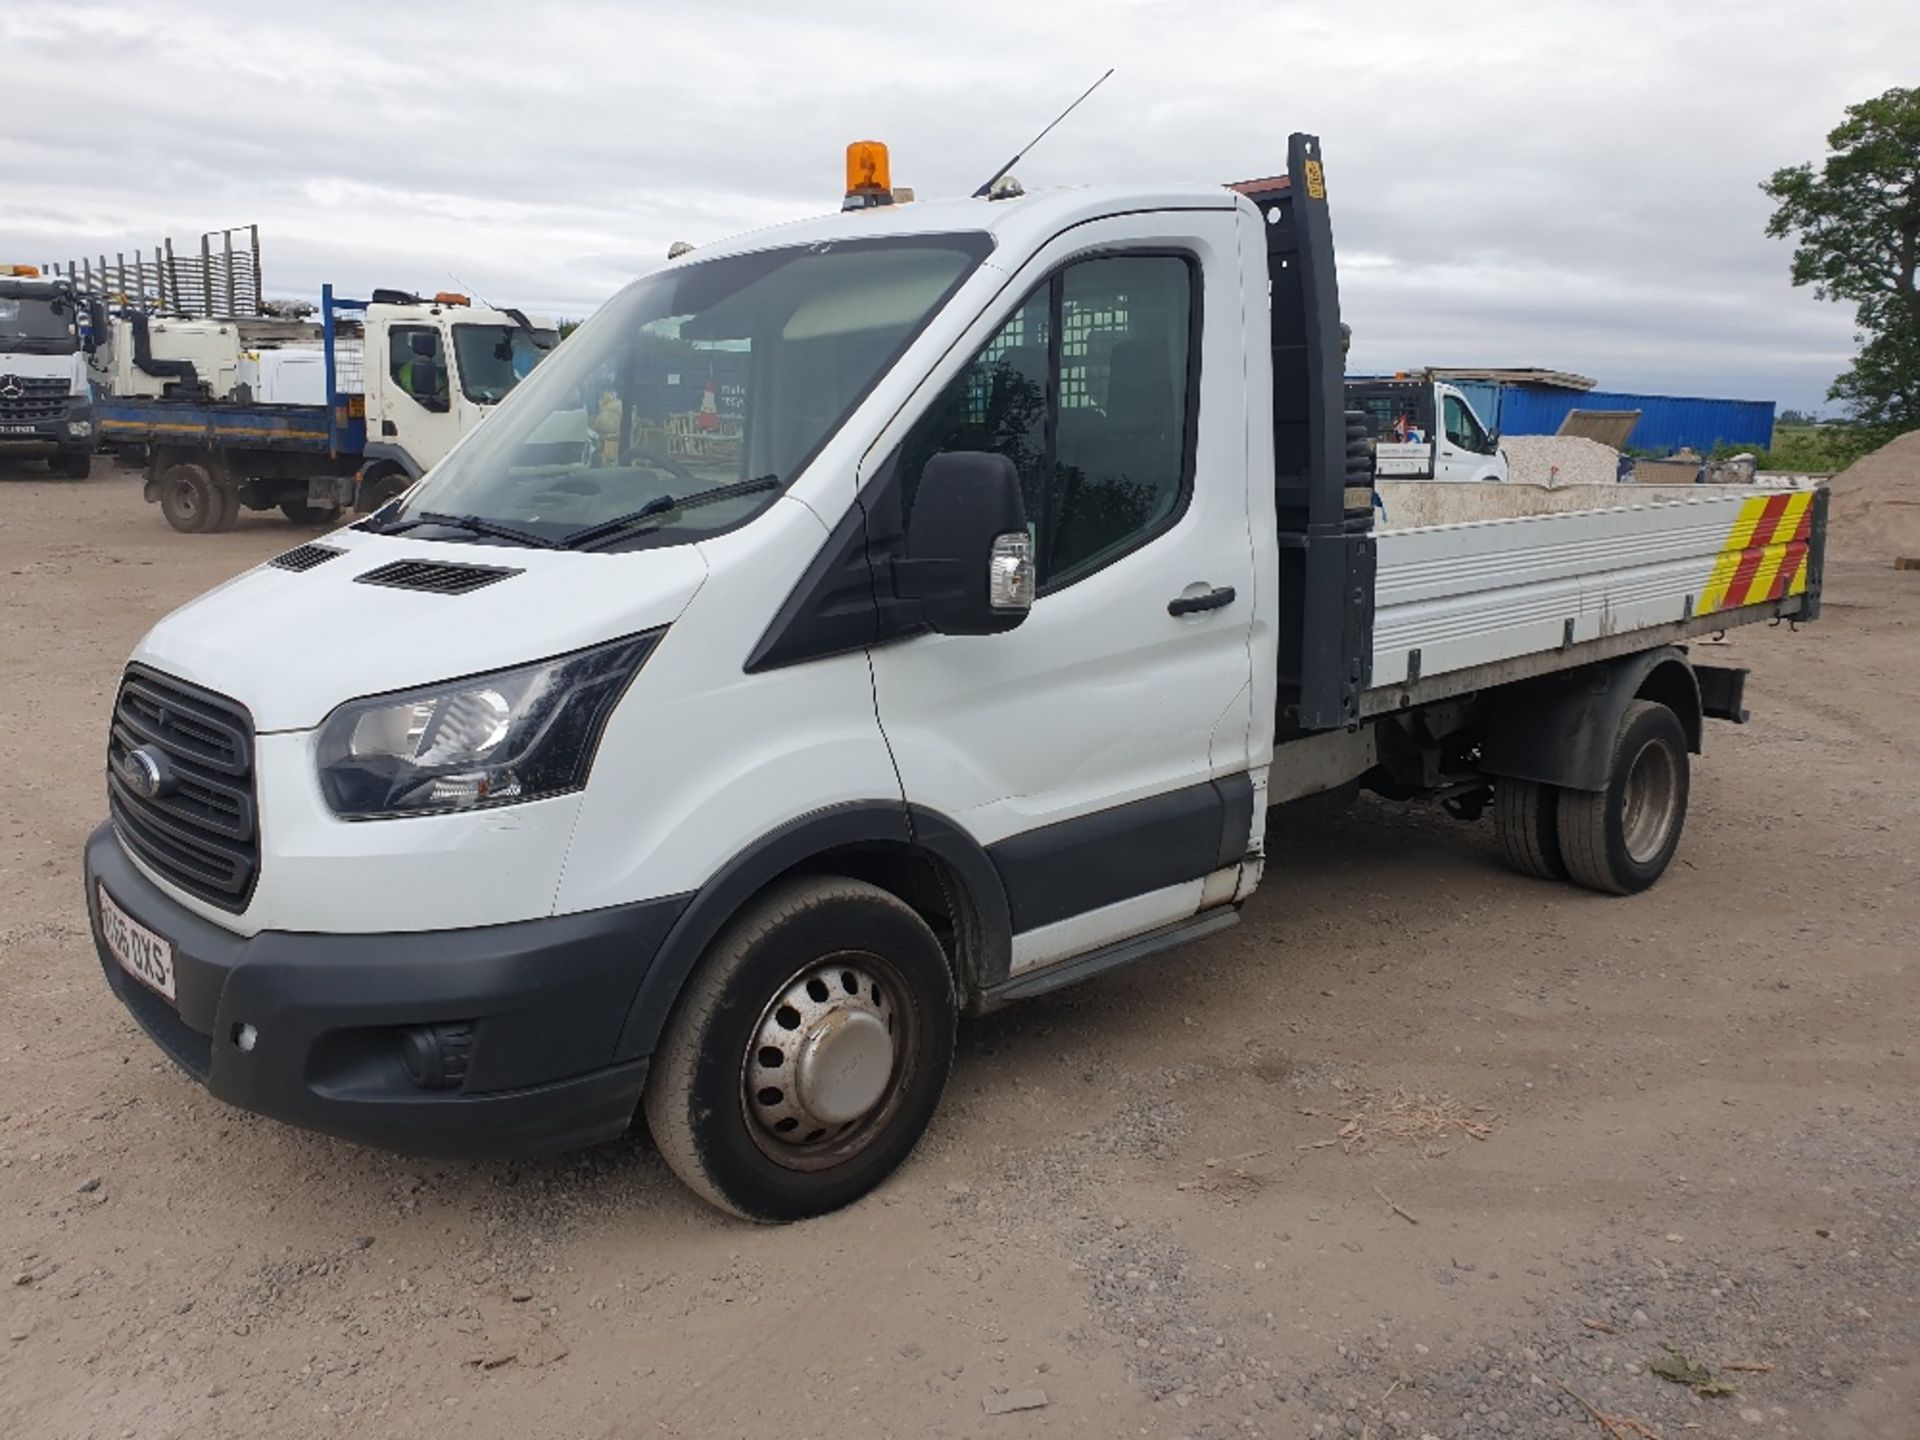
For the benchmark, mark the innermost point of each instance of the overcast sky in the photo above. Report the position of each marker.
(1533, 183)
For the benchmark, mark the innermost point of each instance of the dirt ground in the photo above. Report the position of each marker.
(1421, 1148)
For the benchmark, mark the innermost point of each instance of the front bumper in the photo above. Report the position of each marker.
(546, 1000)
(48, 437)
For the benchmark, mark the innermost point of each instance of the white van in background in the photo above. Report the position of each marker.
(1426, 430)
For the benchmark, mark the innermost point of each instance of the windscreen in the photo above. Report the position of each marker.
(695, 395)
(492, 359)
(36, 321)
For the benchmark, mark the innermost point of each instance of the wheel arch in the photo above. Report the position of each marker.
(917, 855)
(1559, 730)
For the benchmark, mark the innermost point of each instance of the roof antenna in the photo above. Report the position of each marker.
(985, 192)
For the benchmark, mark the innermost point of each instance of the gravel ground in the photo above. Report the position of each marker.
(1560, 460)
(1419, 1149)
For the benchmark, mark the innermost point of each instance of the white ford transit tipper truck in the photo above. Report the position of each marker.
(953, 588)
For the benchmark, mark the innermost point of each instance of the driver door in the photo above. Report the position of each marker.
(1099, 751)
(421, 410)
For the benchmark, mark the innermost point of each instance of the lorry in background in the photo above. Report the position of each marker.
(1426, 429)
(314, 419)
(714, 772)
(46, 405)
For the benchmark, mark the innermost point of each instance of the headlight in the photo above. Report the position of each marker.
(487, 740)
(80, 427)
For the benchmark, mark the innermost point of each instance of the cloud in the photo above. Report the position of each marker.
(1541, 183)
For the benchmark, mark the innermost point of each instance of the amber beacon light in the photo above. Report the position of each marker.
(869, 181)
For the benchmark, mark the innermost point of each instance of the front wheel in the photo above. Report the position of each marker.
(1621, 839)
(75, 464)
(807, 1053)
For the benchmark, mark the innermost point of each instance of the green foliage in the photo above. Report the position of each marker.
(1795, 417)
(1681, 1369)
(1808, 449)
(1856, 227)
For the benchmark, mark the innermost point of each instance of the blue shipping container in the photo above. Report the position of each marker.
(1667, 422)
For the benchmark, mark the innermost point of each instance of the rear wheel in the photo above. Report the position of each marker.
(188, 497)
(807, 1053)
(301, 513)
(1526, 820)
(1621, 839)
(228, 495)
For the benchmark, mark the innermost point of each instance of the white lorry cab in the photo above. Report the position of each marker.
(312, 418)
(947, 593)
(46, 403)
(1426, 430)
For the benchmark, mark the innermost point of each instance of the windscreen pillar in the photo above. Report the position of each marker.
(1323, 478)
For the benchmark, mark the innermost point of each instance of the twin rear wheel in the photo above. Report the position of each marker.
(1618, 840)
(807, 1054)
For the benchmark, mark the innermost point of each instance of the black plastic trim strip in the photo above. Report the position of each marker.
(1068, 868)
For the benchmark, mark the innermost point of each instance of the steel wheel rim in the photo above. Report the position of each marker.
(186, 499)
(1649, 802)
(827, 1062)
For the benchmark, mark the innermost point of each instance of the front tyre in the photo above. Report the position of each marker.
(1621, 839)
(807, 1053)
(75, 464)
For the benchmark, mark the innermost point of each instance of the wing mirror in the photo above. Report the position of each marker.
(969, 558)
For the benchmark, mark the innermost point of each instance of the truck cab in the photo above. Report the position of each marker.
(46, 404)
(434, 369)
(1426, 430)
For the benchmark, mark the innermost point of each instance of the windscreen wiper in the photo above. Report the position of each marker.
(661, 505)
(473, 525)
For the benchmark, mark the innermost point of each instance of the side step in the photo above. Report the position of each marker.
(1110, 957)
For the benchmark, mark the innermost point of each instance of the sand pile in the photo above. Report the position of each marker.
(1875, 512)
(1560, 460)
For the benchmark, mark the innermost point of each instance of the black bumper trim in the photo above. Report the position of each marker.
(547, 999)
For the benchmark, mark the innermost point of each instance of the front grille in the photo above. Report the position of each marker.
(438, 577)
(40, 398)
(201, 834)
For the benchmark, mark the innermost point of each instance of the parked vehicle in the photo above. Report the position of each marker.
(715, 771)
(349, 416)
(1426, 430)
(46, 407)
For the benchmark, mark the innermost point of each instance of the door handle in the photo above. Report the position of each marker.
(1214, 599)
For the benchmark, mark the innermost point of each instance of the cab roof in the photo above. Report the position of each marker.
(1022, 220)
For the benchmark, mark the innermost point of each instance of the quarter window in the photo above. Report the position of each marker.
(1087, 389)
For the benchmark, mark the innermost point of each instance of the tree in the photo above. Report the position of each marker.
(1795, 417)
(1856, 227)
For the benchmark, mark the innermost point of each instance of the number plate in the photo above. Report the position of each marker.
(141, 953)
(19, 429)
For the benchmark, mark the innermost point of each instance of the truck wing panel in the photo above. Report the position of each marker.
(1467, 596)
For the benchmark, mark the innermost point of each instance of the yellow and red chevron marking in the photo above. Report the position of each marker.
(1765, 554)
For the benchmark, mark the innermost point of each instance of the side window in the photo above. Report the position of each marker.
(419, 375)
(1462, 429)
(1086, 389)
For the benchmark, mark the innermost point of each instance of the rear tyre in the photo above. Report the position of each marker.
(188, 497)
(1621, 839)
(1526, 820)
(75, 464)
(301, 513)
(229, 511)
(807, 1053)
